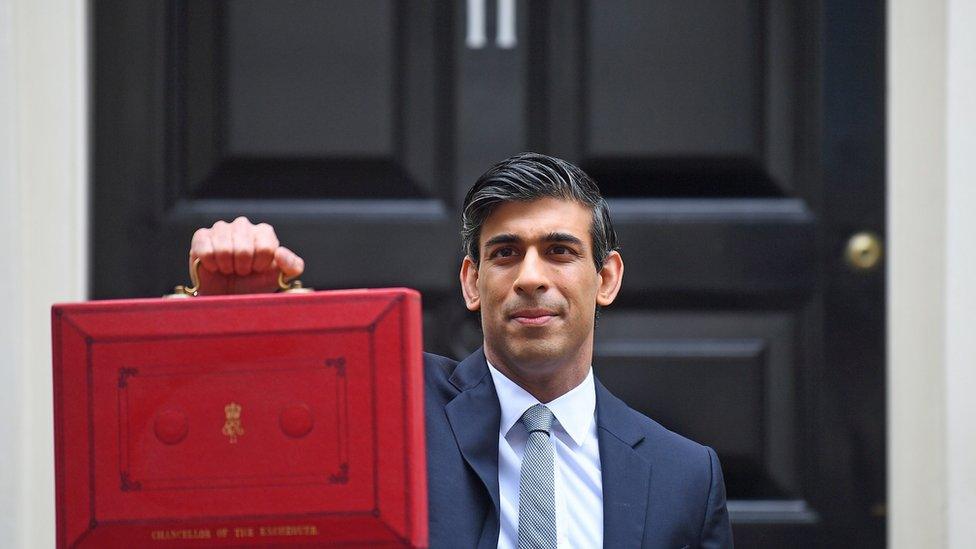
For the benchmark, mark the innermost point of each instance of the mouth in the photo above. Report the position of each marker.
(533, 317)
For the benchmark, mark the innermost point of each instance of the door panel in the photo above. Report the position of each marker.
(284, 100)
(298, 84)
(679, 99)
(673, 79)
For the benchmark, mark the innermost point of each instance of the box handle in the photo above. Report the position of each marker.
(181, 291)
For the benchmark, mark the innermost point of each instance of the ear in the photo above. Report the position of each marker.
(469, 284)
(611, 275)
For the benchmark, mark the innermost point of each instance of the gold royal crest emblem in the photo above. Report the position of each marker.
(232, 426)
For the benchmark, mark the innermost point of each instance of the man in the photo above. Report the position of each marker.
(525, 448)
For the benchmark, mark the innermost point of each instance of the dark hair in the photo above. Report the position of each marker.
(529, 176)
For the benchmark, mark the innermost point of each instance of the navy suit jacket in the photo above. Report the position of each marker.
(659, 489)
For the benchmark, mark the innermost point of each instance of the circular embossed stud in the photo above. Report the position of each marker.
(171, 426)
(296, 420)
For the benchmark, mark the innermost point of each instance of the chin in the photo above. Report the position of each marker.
(534, 353)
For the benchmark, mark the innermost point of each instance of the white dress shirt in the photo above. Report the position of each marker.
(578, 484)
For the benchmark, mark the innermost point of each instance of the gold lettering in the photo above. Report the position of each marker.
(284, 530)
(188, 533)
(289, 530)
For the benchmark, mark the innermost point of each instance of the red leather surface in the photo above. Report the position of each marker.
(291, 419)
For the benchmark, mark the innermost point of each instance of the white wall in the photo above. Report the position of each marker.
(960, 378)
(43, 241)
(932, 272)
(916, 272)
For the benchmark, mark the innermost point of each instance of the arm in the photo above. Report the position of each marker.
(241, 257)
(716, 529)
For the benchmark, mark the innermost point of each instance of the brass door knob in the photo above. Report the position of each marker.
(863, 251)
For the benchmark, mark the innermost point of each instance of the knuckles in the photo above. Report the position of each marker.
(238, 240)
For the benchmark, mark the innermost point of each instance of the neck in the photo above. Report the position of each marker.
(548, 381)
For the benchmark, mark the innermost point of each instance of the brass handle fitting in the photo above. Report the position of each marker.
(181, 291)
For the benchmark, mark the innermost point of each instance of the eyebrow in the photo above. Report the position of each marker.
(509, 238)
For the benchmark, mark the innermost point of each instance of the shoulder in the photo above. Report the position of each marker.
(438, 367)
(661, 440)
(437, 374)
(685, 458)
(687, 487)
(688, 484)
(655, 443)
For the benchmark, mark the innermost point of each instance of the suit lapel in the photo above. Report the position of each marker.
(626, 475)
(474, 415)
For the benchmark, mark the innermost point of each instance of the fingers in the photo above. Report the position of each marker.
(265, 244)
(242, 237)
(222, 239)
(202, 247)
(289, 262)
(242, 248)
(225, 247)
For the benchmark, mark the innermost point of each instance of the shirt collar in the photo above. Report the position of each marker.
(573, 410)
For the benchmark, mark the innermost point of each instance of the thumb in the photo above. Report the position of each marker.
(289, 262)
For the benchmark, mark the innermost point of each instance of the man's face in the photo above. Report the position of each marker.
(536, 285)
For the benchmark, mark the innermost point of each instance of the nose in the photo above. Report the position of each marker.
(531, 274)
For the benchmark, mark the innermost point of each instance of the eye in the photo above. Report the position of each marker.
(565, 252)
(502, 252)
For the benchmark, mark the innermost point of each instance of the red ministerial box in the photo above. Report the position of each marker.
(265, 419)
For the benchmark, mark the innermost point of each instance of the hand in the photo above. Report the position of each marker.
(241, 258)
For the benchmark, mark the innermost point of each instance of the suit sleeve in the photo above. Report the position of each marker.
(716, 532)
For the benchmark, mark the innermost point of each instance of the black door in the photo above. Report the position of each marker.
(740, 143)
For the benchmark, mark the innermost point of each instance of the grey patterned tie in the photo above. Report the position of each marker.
(537, 497)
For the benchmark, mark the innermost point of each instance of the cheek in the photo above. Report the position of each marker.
(582, 294)
(492, 291)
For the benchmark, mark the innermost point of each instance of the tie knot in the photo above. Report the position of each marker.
(537, 418)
